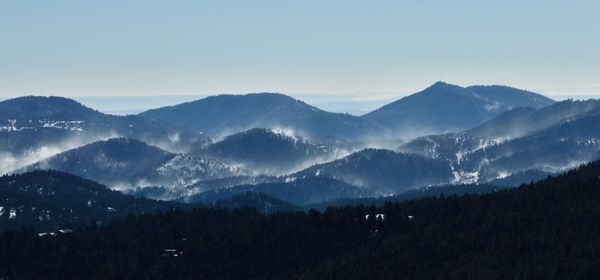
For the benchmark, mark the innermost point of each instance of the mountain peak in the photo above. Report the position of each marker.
(227, 114)
(443, 85)
(45, 100)
(274, 151)
(267, 132)
(444, 107)
(271, 94)
(252, 96)
(40, 107)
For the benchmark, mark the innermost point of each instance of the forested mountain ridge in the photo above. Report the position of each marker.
(551, 139)
(229, 114)
(522, 121)
(300, 191)
(269, 151)
(123, 163)
(382, 172)
(48, 200)
(33, 128)
(418, 114)
(444, 107)
(544, 230)
(519, 144)
(51, 107)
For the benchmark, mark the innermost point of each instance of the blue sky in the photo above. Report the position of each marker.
(360, 50)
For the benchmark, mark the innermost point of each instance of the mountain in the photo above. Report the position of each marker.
(261, 202)
(110, 161)
(48, 200)
(550, 139)
(439, 108)
(523, 177)
(125, 163)
(447, 108)
(525, 120)
(34, 127)
(229, 114)
(512, 124)
(545, 230)
(301, 191)
(267, 151)
(382, 172)
(433, 192)
(185, 192)
(228, 182)
(40, 108)
(560, 147)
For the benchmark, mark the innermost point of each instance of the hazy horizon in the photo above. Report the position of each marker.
(355, 104)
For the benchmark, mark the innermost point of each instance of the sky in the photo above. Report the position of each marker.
(330, 51)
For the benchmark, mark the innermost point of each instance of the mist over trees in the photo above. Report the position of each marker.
(544, 230)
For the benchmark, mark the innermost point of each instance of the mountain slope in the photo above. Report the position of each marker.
(512, 124)
(555, 149)
(550, 139)
(111, 161)
(268, 152)
(445, 108)
(125, 163)
(523, 177)
(301, 191)
(261, 202)
(228, 114)
(39, 108)
(34, 127)
(47, 200)
(382, 172)
(545, 230)
(525, 120)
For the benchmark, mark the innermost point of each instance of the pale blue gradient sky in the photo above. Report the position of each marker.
(368, 50)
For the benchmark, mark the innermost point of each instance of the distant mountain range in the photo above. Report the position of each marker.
(126, 163)
(524, 120)
(269, 151)
(365, 173)
(439, 108)
(382, 172)
(229, 114)
(448, 108)
(171, 189)
(551, 139)
(227, 146)
(33, 128)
